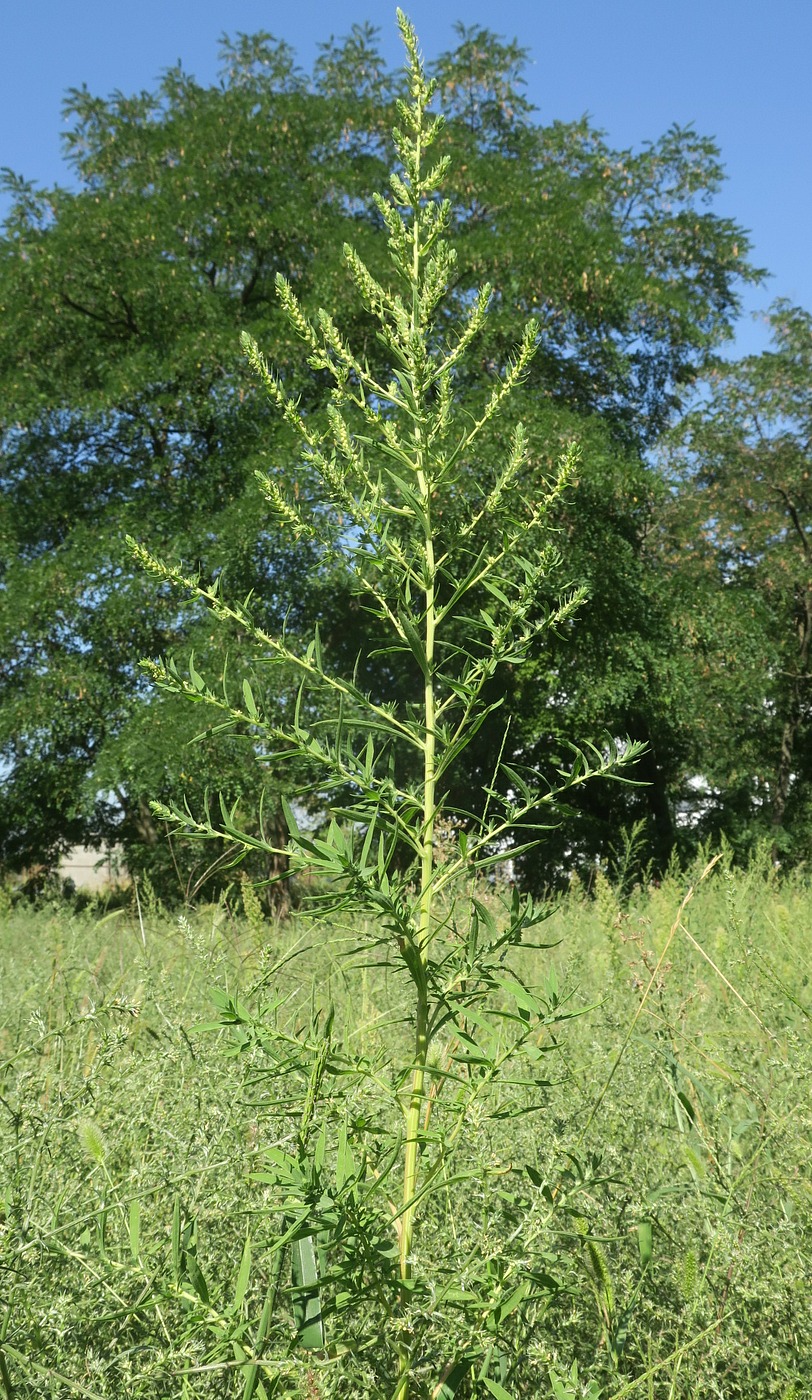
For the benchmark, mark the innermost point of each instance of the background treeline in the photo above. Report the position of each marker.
(125, 408)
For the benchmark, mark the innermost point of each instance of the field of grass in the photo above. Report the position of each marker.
(653, 1183)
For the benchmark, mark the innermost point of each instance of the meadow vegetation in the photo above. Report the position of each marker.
(645, 1230)
(430, 1135)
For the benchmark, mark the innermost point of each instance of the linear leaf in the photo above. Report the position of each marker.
(497, 1390)
(307, 1297)
(252, 1374)
(243, 1275)
(176, 1239)
(196, 1279)
(134, 1227)
(453, 1377)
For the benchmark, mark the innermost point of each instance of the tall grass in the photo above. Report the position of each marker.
(646, 1231)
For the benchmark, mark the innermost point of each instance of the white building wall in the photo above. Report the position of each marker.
(93, 870)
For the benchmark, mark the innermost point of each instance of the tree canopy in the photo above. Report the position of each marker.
(125, 409)
(739, 536)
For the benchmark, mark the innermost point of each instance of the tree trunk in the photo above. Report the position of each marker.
(664, 832)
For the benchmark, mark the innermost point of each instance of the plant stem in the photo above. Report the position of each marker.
(417, 1093)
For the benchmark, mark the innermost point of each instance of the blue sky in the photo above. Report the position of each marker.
(737, 70)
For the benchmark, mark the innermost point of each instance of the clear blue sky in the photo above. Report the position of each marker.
(738, 70)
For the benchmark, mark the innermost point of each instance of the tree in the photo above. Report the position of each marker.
(129, 413)
(122, 304)
(741, 519)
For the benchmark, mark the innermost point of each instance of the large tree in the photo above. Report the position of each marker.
(125, 408)
(739, 533)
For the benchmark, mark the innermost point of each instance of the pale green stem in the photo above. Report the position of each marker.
(417, 1092)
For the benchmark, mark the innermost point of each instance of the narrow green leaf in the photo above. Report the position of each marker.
(485, 917)
(306, 1295)
(243, 1275)
(687, 1105)
(522, 997)
(320, 1148)
(513, 1302)
(493, 588)
(453, 1377)
(252, 1374)
(176, 1239)
(264, 1320)
(345, 1161)
(645, 1242)
(290, 820)
(497, 1390)
(196, 1279)
(194, 675)
(134, 1226)
(250, 703)
(415, 643)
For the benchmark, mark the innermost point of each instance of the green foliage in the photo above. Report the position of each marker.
(127, 409)
(742, 521)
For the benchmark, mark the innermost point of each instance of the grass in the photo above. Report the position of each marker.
(658, 1195)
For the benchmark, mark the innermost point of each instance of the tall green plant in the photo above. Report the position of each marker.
(454, 582)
